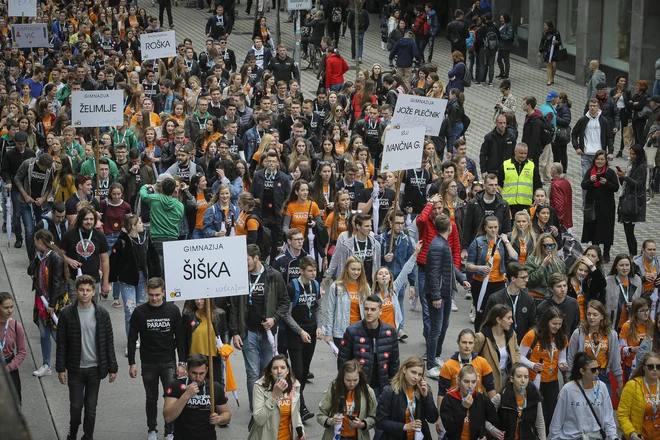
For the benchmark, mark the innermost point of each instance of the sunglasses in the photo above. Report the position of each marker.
(550, 246)
(595, 370)
(652, 367)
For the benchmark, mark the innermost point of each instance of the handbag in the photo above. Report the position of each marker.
(628, 204)
(600, 427)
(560, 54)
(589, 212)
(563, 135)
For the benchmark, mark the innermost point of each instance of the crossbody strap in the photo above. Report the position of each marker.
(590, 407)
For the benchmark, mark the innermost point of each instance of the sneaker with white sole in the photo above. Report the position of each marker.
(169, 437)
(401, 334)
(468, 294)
(439, 361)
(44, 370)
(454, 307)
(153, 435)
(433, 373)
(472, 315)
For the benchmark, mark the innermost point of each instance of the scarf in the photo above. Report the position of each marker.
(594, 172)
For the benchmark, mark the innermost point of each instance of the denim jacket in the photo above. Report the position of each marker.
(338, 313)
(400, 280)
(479, 256)
(215, 216)
(403, 249)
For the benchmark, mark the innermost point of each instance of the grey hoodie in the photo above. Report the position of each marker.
(576, 345)
(597, 77)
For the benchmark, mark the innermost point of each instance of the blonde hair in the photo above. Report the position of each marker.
(399, 380)
(344, 280)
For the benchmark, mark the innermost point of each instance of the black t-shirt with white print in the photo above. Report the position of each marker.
(193, 422)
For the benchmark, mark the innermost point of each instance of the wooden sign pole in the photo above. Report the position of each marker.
(212, 348)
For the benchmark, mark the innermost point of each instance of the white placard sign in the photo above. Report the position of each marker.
(414, 110)
(403, 148)
(22, 8)
(97, 108)
(30, 35)
(303, 5)
(158, 45)
(206, 268)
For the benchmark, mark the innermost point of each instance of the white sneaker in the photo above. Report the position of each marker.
(153, 435)
(454, 307)
(439, 361)
(433, 373)
(468, 294)
(126, 352)
(44, 370)
(169, 437)
(137, 344)
(413, 304)
(472, 315)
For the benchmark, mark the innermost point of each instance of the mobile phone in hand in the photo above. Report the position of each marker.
(618, 168)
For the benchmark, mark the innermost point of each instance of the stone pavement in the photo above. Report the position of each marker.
(120, 412)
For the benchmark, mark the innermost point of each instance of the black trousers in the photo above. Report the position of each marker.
(504, 61)
(162, 6)
(275, 227)
(476, 288)
(550, 392)
(300, 354)
(559, 154)
(83, 391)
(151, 374)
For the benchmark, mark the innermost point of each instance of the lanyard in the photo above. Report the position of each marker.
(524, 395)
(203, 387)
(4, 337)
(514, 305)
(310, 298)
(326, 194)
(624, 291)
(411, 407)
(361, 253)
(551, 354)
(594, 343)
(59, 230)
(655, 400)
(460, 361)
(82, 241)
(417, 178)
(597, 387)
(254, 285)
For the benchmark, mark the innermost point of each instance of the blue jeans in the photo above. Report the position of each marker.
(360, 43)
(151, 374)
(439, 321)
(111, 238)
(402, 297)
(456, 131)
(421, 275)
(133, 296)
(656, 87)
(46, 332)
(257, 353)
(27, 213)
(197, 233)
(336, 87)
(604, 377)
(15, 214)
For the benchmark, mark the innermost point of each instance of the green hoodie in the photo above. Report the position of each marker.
(88, 168)
(63, 94)
(166, 213)
(128, 137)
(69, 152)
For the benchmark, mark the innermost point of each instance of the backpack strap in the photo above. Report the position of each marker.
(43, 219)
(296, 295)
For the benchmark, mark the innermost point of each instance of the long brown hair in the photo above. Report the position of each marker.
(605, 324)
(633, 334)
(46, 238)
(338, 390)
(399, 379)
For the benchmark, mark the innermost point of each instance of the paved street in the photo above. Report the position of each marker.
(121, 405)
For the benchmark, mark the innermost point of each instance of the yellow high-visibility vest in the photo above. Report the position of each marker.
(518, 189)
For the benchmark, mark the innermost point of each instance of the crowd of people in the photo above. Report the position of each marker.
(216, 143)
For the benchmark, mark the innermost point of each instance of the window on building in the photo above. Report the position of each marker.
(567, 20)
(615, 34)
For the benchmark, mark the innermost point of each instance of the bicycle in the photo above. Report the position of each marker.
(312, 60)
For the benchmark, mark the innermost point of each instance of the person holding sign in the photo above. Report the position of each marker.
(188, 403)
(254, 317)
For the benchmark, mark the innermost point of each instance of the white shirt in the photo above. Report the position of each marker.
(592, 135)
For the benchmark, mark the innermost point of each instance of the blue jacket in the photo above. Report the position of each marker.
(267, 56)
(458, 72)
(405, 50)
(432, 20)
(251, 141)
(403, 249)
(214, 216)
(439, 270)
(506, 37)
(478, 254)
(236, 187)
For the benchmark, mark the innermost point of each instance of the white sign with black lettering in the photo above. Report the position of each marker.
(30, 35)
(22, 8)
(102, 108)
(158, 45)
(302, 5)
(206, 268)
(403, 148)
(414, 110)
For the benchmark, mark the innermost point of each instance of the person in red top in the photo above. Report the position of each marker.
(561, 195)
(426, 233)
(367, 94)
(335, 67)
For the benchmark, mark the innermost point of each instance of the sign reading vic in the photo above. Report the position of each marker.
(205, 268)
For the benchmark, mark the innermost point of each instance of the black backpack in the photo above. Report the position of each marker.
(491, 41)
(335, 16)
(264, 237)
(547, 131)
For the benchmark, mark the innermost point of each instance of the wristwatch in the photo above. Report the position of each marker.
(182, 364)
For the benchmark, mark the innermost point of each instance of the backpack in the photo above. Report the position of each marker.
(467, 77)
(296, 295)
(547, 131)
(491, 41)
(264, 236)
(335, 16)
(469, 41)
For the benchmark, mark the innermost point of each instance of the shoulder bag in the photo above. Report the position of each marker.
(600, 427)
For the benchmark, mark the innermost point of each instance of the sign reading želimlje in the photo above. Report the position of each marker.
(414, 110)
(101, 108)
(30, 35)
(22, 8)
(302, 5)
(403, 148)
(206, 268)
(158, 45)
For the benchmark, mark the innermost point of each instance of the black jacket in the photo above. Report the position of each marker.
(12, 161)
(606, 135)
(357, 344)
(284, 69)
(69, 344)
(609, 110)
(287, 265)
(457, 33)
(128, 258)
(191, 322)
(508, 413)
(495, 149)
(532, 135)
(56, 282)
(453, 413)
(477, 210)
(391, 415)
(216, 29)
(280, 192)
(523, 319)
(439, 270)
(635, 185)
(568, 307)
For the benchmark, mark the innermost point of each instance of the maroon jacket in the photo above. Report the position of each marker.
(561, 195)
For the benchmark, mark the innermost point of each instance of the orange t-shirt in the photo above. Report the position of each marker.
(409, 434)
(580, 298)
(242, 228)
(596, 349)
(353, 294)
(625, 334)
(284, 430)
(155, 120)
(46, 121)
(532, 211)
(648, 285)
(298, 214)
(537, 353)
(388, 314)
(214, 137)
(452, 367)
(648, 425)
(201, 209)
(346, 430)
(520, 401)
(522, 255)
(341, 225)
(452, 215)
(340, 147)
(495, 274)
(465, 433)
(624, 310)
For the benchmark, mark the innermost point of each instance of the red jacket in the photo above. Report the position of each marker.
(561, 199)
(427, 233)
(335, 67)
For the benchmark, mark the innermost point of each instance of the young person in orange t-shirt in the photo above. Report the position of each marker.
(300, 212)
(636, 329)
(623, 286)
